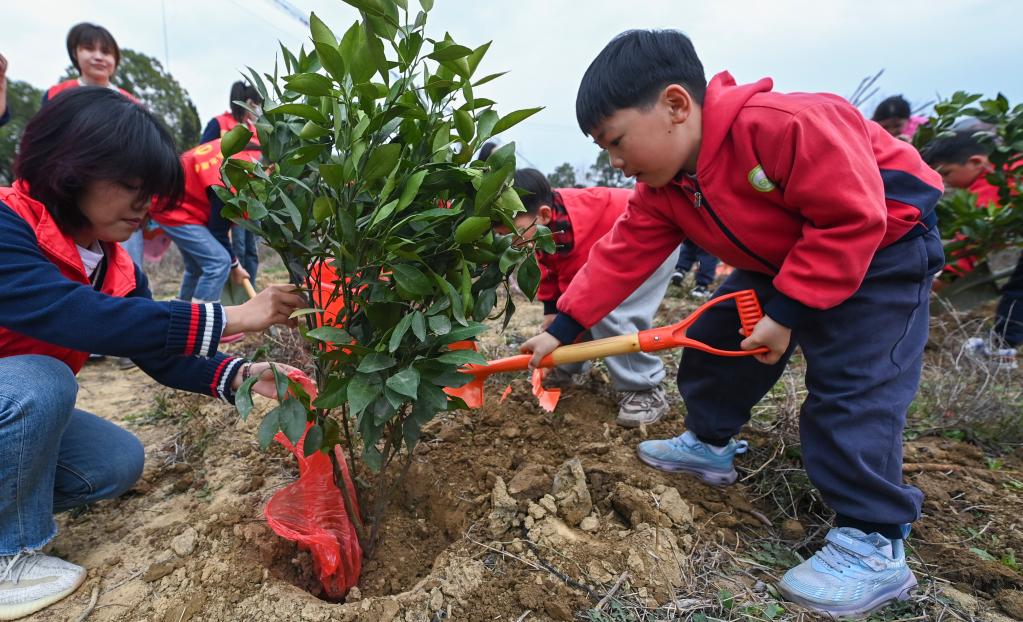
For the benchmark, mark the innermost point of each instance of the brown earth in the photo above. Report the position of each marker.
(495, 520)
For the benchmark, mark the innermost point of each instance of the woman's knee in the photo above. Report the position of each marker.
(37, 383)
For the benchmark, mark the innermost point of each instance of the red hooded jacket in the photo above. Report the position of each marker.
(59, 248)
(799, 186)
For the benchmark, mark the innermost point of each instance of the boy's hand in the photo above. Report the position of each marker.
(271, 306)
(768, 333)
(547, 321)
(266, 385)
(239, 274)
(541, 345)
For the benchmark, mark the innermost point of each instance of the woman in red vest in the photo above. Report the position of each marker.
(94, 53)
(88, 166)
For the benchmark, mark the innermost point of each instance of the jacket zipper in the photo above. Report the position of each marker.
(701, 202)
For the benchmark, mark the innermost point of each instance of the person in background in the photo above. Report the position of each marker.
(690, 254)
(244, 243)
(88, 167)
(962, 160)
(897, 118)
(5, 113)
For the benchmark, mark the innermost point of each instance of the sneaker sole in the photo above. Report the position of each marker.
(898, 593)
(714, 478)
(20, 610)
(626, 422)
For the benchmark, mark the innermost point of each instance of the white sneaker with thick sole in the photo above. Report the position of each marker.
(33, 581)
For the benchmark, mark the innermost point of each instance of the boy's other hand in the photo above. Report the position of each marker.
(771, 334)
(540, 346)
(266, 385)
(239, 274)
(547, 321)
(271, 306)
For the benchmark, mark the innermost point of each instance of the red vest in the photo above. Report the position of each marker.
(202, 170)
(70, 84)
(60, 249)
(226, 121)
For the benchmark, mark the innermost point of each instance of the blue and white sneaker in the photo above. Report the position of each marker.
(688, 454)
(853, 575)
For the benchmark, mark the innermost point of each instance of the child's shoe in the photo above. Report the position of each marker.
(677, 278)
(32, 581)
(700, 292)
(642, 407)
(979, 349)
(688, 454)
(851, 576)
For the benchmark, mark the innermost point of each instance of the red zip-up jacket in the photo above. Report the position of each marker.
(798, 186)
(589, 213)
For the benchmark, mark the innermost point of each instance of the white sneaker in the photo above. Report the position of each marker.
(642, 407)
(32, 581)
(980, 350)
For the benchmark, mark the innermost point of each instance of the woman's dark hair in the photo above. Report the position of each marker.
(93, 134)
(89, 35)
(632, 70)
(241, 91)
(537, 187)
(895, 107)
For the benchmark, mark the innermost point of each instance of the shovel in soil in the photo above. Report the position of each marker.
(650, 340)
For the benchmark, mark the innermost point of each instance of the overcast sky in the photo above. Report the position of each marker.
(926, 47)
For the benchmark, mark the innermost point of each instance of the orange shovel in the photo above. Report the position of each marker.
(650, 340)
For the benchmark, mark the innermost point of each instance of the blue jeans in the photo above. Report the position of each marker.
(54, 456)
(245, 246)
(689, 254)
(207, 262)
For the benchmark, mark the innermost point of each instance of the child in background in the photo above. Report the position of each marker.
(963, 162)
(88, 164)
(830, 220)
(896, 117)
(5, 112)
(244, 243)
(578, 218)
(689, 255)
(197, 227)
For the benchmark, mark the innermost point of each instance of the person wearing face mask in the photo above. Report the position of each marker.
(244, 244)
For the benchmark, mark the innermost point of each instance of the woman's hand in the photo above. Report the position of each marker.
(239, 274)
(541, 345)
(271, 306)
(771, 334)
(266, 385)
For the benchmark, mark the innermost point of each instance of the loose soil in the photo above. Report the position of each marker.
(510, 513)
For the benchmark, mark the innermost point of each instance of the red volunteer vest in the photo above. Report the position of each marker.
(226, 122)
(60, 249)
(70, 84)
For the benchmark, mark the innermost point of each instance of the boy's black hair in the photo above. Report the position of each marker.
(88, 35)
(633, 69)
(955, 149)
(241, 91)
(487, 148)
(538, 188)
(93, 134)
(894, 107)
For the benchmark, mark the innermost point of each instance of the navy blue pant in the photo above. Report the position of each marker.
(690, 254)
(863, 361)
(1009, 316)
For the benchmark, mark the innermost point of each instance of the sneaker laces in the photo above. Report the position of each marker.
(18, 565)
(688, 440)
(838, 558)
(643, 399)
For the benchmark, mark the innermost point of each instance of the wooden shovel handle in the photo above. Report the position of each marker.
(599, 348)
(250, 291)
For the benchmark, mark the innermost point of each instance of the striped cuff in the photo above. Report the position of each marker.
(220, 384)
(195, 329)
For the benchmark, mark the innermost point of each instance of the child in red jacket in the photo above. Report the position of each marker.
(830, 220)
(578, 218)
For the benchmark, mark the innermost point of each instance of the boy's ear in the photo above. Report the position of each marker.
(679, 102)
(978, 160)
(544, 215)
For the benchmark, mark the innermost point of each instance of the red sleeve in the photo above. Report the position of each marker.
(639, 242)
(549, 289)
(826, 167)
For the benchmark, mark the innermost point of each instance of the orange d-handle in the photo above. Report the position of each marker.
(650, 340)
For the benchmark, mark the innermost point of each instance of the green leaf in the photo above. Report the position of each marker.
(243, 398)
(411, 279)
(513, 118)
(376, 362)
(356, 53)
(426, 4)
(485, 124)
(491, 185)
(309, 84)
(304, 111)
(373, 459)
(486, 79)
(362, 390)
(235, 140)
(268, 427)
(464, 124)
(313, 440)
(292, 419)
(408, 193)
(383, 213)
(333, 396)
(321, 33)
(472, 229)
(462, 357)
(330, 334)
(332, 174)
(419, 326)
(405, 382)
(439, 324)
(449, 53)
(382, 161)
(528, 276)
(399, 331)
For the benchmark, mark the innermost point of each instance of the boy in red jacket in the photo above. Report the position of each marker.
(831, 221)
(578, 218)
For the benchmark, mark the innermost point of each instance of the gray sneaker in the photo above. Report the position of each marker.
(642, 407)
(32, 581)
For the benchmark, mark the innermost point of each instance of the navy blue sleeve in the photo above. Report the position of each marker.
(206, 376)
(212, 132)
(219, 226)
(5, 117)
(38, 301)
